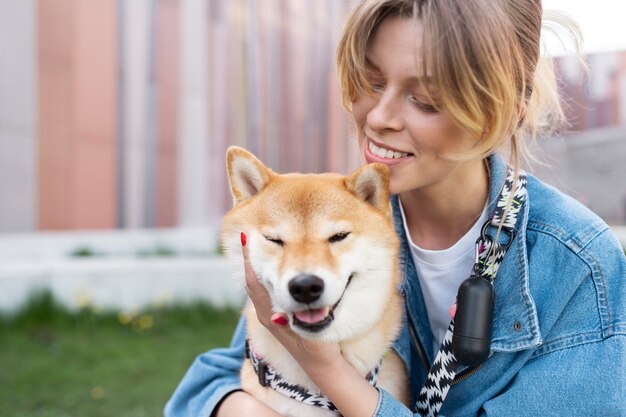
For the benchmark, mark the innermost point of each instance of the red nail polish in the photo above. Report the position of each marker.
(453, 311)
(243, 239)
(280, 320)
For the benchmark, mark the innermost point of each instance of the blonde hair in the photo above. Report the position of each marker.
(483, 59)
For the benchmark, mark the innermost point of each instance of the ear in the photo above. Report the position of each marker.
(246, 174)
(370, 183)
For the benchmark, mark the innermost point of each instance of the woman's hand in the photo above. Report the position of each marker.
(240, 403)
(323, 362)
(313, 356)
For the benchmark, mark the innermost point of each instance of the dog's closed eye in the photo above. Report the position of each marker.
(338, 237)
(274, 240)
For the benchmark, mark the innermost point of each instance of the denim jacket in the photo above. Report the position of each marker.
(559, 331)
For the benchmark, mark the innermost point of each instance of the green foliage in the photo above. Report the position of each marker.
(56, 362)
(83, 252)
(158, 250)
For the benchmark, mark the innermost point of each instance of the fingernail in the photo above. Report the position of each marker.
(280, 320)
(453, 311)
(243, 239)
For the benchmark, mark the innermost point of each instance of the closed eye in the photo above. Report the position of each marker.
(274, 240)
(377, 87)
(338, 237)
(425, 107)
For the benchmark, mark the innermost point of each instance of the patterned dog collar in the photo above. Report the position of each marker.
(268, 377)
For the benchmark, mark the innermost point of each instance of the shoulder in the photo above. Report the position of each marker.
(574, 260)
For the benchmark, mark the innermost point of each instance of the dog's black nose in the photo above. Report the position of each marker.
(306, 288)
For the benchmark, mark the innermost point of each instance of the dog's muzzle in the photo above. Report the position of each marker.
(307, 289)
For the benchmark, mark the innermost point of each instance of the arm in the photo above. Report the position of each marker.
(584, 380)
(239, 403)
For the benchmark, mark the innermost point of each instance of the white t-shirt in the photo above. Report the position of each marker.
(441, 272)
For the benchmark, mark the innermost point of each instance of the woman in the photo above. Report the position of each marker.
(436, 88)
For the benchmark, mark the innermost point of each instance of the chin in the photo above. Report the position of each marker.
(400, 185)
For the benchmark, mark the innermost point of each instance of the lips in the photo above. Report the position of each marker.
(376, 152)
(317, 319)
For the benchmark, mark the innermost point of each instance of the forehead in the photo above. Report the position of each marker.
(396, 46)
(305, 198)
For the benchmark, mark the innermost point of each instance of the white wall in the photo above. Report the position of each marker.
(18, 147)
(116, 277)
(137, 34)
(194, 208)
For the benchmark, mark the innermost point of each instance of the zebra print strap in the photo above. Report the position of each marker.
(489, 256)
(268, 377)
(439, 378)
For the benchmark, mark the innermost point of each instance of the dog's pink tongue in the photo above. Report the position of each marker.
(311, 316)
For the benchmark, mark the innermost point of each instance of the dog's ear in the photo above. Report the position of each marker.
(371, 184)
(246, 174)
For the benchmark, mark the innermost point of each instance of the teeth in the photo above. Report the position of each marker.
(386, 153)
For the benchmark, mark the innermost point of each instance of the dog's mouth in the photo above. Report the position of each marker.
(317, 319)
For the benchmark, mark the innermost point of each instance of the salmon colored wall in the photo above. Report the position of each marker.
(54, 80)
(77, 104)
(167, 77)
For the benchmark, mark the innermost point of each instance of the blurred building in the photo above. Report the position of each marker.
(589, 161)
(117, 114)
(591, 167)
(595, 98)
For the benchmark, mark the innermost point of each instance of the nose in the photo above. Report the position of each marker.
(306, 288)
(386, 113)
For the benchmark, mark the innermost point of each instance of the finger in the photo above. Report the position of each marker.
(280, 319)
(452, 311)
(257, 292)
(252, 281)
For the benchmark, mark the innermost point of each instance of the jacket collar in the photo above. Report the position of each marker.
(516, 325)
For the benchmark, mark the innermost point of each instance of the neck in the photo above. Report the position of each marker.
(439, 215)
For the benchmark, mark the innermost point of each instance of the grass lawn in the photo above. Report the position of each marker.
(101, 364)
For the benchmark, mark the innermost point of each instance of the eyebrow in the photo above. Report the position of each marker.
(371, 68)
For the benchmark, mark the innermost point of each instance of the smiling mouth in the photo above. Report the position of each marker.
(384, 152)
(377, 153)
(317, 319)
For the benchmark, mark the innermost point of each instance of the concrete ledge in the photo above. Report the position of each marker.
(124, 284)
(38, 246)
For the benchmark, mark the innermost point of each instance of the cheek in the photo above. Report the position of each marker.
(440, 136)
(360, 108)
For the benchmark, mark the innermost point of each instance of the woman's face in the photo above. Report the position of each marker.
(398, 126)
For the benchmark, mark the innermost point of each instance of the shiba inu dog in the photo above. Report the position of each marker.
(325, 248)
